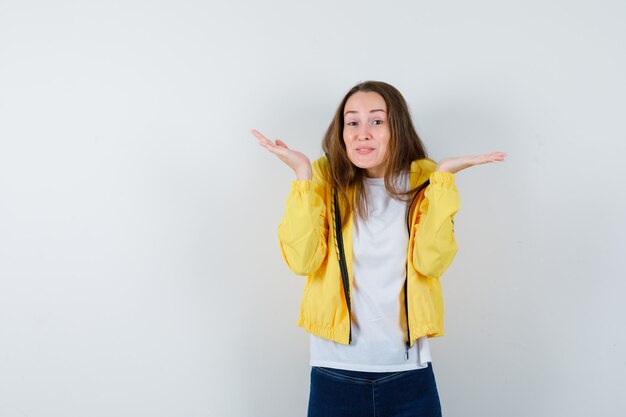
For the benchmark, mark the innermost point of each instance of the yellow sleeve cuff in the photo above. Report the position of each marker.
(301, 185)
(442, 177)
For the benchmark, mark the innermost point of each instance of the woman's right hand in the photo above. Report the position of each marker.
(294, 159)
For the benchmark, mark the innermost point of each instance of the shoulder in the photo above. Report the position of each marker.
(424, 164)
(421, 170)
(321, 169)
(322, 161)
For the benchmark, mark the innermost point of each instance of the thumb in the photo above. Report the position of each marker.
(281, 144)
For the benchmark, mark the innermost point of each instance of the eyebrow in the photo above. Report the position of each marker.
(371, 111)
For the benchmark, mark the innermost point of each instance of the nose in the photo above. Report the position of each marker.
(364, 132)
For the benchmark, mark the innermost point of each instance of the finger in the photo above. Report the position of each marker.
(269, 145)
(275, 149)
(281, 144)
(264, 142)
(260, 136)
(497, 156)
(492, 157)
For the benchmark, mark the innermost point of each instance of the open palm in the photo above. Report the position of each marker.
(296, 160)
(456, 164)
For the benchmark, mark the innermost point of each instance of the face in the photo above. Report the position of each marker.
(366, 132)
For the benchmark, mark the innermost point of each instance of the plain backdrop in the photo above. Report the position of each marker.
(140, 273)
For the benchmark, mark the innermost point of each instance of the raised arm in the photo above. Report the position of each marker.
(435, 246)
(303, 231)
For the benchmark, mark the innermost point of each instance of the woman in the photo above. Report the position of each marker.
(371, 226)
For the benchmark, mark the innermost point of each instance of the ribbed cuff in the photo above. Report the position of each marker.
(442, 177)
(301, 185)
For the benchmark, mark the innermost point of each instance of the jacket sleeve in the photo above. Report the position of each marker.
(434, 245)
(303, 231)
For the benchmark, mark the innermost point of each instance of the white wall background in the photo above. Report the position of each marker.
(140, 273)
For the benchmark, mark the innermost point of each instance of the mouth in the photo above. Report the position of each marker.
(364, 150)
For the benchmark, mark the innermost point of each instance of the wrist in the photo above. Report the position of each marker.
(304, 174)
(441, 168)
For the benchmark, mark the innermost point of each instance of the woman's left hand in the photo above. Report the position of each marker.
(459, 163)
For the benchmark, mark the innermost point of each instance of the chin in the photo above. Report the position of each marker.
(361, 165)
(365, 165)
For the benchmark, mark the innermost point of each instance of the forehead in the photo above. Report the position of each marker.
(365, 101)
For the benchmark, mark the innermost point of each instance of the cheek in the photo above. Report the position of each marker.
(346, 141)
(384, 149)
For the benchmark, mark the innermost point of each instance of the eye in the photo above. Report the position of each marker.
(351, 124)
(377, 122)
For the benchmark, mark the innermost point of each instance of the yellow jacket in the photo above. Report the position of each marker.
(307, 241)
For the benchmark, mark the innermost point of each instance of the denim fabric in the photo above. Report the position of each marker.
(343, 393)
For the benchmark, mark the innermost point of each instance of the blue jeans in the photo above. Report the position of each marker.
(341, 393)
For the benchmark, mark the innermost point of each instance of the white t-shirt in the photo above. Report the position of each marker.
(378, 315)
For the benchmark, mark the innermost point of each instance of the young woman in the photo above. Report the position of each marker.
(371, 226)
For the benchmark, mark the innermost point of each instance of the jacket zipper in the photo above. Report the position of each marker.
(406, 273)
